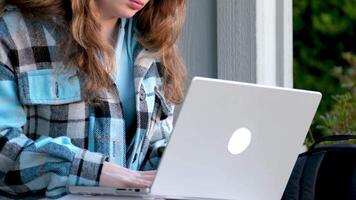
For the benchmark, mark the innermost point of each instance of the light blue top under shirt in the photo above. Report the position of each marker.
(125, 76)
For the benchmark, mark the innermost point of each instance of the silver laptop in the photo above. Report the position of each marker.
(231, 141)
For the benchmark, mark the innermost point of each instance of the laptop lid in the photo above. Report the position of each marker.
(235, 141)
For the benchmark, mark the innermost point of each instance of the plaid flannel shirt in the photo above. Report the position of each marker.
(45, 124)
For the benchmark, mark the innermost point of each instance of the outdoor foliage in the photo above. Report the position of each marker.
(323, 32)
(341, 119)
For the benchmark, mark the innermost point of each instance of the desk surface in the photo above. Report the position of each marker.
(84, 197)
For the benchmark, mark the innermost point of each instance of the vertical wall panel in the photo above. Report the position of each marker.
(198, 41)
(284, 38)
(237, 40)
(240, 40)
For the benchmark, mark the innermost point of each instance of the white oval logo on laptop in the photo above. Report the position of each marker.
(239, 141)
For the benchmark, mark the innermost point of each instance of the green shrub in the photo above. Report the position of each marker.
(341, 119)
(323, 30)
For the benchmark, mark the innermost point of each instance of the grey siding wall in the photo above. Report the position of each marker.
(240, 40)
(236, 27)
(199, 38)
(198, 41)
(219, 39)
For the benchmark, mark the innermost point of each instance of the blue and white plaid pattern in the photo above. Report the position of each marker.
(46, 126)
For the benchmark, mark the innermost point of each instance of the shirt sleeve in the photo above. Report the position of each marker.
(45, 164)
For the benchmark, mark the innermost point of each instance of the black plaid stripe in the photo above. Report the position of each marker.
(31, 122)
(25, 194)
(7, 148)
(154, 71)
(142, 113)
(59, 113)
(89, 170)
(102, 110)
(13, 178)
(78, 119)
(3, 141)
(58, 120)
(87, 165)
(108, 110)
(13, 56)
(166, 106)
(160, 69)
(143, 119)
(24, 89)
(25, 127)
(41, 54)
(84, 141)
(146, 159)
(53, 120)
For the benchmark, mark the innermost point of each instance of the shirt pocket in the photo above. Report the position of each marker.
(49, 87)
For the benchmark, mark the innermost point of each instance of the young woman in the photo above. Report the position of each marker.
(87, 92)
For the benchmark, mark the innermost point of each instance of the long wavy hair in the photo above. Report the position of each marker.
(159, 25)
